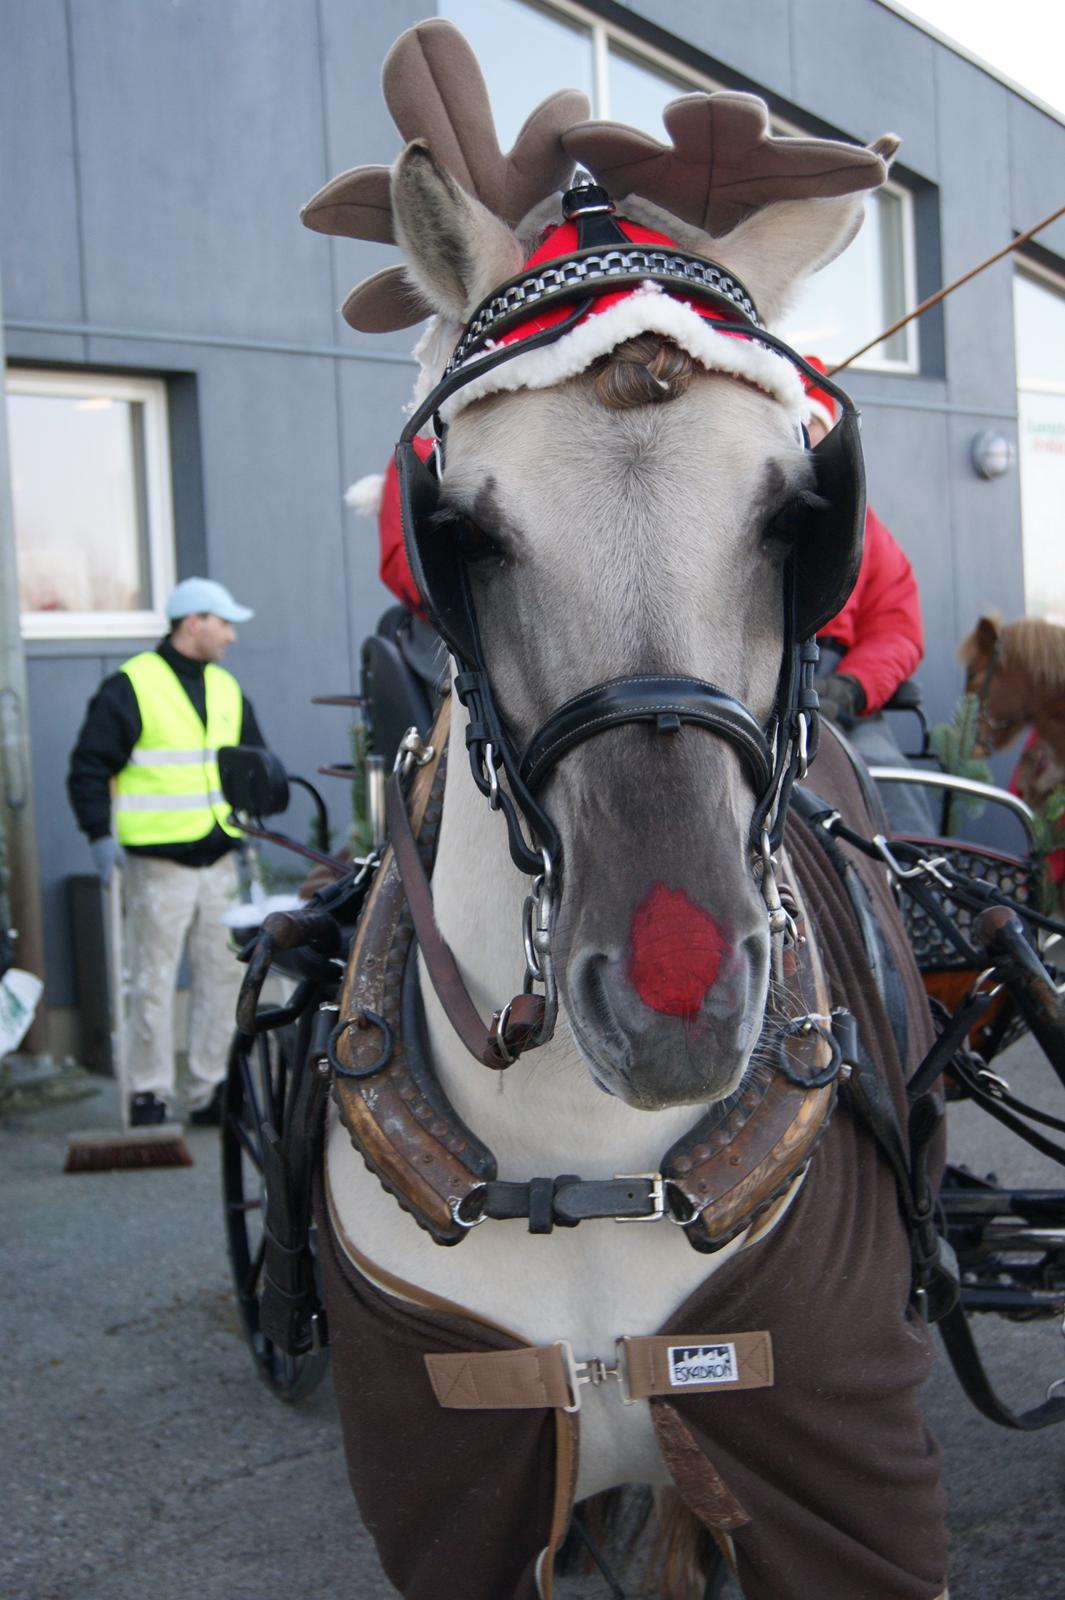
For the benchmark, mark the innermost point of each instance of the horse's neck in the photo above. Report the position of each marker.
(544, 1115)
(1049, 723)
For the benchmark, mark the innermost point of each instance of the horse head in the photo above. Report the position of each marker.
(1016, 671)
(626, 515)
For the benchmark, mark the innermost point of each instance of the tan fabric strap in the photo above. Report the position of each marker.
(657, 1365)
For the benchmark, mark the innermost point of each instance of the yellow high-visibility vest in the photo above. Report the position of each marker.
(169, 793)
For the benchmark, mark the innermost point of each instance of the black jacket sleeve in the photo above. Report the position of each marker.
(111, 728)
(250, 732)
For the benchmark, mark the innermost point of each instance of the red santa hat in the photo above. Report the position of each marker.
(823, 408)
(612, 318)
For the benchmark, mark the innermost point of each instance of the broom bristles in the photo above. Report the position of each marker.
(161, 1146)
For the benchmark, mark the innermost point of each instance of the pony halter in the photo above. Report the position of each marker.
(573, 301)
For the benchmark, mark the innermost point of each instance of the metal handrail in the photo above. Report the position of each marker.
(967, 786)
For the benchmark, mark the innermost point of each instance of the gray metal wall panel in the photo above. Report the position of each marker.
(274, 532)
(867, 72)
(904, 448)
(39, 253)
(358, 131)
(28, 347)
(371, 412)
(59, 691)
(988, 565)
(753, 39)
(199, 132)
(1037, 161)
(975, 222)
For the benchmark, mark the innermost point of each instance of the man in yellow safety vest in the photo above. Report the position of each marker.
(150, 740)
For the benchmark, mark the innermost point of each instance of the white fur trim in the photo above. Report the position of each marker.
(647, 310)
(364, 496)
(432, 353)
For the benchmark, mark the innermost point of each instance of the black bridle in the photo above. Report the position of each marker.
(816, 582)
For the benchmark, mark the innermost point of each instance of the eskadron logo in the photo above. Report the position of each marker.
(702, 1363)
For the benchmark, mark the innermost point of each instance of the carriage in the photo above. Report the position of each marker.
(608, 438)
(1009, 1242)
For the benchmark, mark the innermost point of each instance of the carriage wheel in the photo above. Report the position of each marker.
(256, 1084)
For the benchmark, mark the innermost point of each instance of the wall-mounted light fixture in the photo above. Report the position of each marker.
(992, 454)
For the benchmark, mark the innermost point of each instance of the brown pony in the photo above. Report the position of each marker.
(1016, 670)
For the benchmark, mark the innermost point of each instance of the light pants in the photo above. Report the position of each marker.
(164, 904)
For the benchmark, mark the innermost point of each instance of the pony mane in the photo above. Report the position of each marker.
(1036, 647)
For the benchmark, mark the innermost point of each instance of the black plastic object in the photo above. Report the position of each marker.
(253, 780)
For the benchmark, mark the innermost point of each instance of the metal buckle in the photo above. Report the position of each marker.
(594, 1371)
(412, 752)
(455, 1203)
(488, 767)
(657, 1197)
(804, 746)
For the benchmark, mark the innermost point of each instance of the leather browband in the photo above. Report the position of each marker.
(659, 698)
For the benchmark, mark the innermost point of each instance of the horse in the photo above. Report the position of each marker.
(1016, 670)
(631, 515)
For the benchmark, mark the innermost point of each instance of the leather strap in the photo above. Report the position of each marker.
(565, 1201)
(525, 1012)
(965, 1359)
(658, 698)
(654, 1366)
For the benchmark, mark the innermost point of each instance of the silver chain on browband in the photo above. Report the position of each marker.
(597, 268)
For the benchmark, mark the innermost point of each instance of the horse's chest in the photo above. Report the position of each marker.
(588, 1285)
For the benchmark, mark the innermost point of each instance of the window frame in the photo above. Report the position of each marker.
(1025, 267)
(603, 34)
(151, 393)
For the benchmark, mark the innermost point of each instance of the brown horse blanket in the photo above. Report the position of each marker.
(827, 1482)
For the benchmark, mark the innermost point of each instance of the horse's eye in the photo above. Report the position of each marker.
(793, 520)
(474, 545)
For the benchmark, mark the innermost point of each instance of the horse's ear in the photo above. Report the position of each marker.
(776, 249)
(988, 632)
(456, 249)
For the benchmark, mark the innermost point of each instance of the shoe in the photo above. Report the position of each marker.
(210, 1115)
(146, 1110)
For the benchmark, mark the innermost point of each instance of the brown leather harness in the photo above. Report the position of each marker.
(714, 1182)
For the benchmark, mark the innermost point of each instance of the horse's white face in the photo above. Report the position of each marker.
(608, 543)
(621, 541)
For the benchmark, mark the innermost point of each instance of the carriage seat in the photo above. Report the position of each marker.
(402, 666)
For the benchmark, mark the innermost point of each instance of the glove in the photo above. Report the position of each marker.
(107, 854)
(842, 698)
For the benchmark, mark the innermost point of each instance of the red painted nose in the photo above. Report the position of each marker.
(676, 952)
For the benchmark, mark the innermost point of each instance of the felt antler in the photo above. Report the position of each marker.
(435, 91)
(723, 162)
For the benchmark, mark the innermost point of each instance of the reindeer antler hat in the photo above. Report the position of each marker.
(723, 162)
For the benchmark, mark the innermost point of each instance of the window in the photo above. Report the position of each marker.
(90, 470)
(527, 50)
(1039, 326)
(867, 288)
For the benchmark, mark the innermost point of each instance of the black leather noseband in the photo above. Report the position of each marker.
(658, 698)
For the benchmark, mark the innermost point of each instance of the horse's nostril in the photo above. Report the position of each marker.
(676, 949)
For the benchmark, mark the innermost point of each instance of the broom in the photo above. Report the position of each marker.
(159, 1146)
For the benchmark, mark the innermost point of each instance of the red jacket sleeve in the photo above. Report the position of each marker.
(881, 623)
(395, 570)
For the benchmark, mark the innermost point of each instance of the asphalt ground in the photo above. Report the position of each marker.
(142, 1459)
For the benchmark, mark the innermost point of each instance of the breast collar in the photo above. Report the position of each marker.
(736, 1161)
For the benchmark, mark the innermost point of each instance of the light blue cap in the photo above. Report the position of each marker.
(194, 595)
